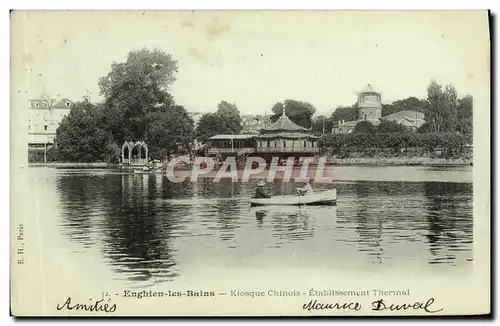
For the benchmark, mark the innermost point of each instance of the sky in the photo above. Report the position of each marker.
(256, 59)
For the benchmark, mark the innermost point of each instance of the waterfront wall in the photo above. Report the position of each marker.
(99, 165)
(427, 161)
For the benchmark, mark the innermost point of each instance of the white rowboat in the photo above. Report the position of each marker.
(328, 197)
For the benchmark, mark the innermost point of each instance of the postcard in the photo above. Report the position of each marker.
(250, 163)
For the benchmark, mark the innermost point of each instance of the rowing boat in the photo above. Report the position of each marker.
(328, 197)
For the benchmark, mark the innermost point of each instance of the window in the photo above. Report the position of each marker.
(305, 144)
(37, 104)
(45, 127)
(268, 143)
(275, 143)
(68, 104)
(284, 143)
(312, 144)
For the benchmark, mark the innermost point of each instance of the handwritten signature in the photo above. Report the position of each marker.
(98, 305)
(378, 305)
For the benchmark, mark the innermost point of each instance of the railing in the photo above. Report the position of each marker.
(215, 150)
(244, 151)
(247, 150)
(135, 161)
(287, 150)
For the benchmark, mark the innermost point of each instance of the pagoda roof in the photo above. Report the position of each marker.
(229, 137)
(287, 135)
(284, 124)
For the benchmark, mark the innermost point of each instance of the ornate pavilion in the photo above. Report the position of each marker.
(283, 138)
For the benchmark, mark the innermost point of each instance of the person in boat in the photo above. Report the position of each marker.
(306, 190)
(260, 191)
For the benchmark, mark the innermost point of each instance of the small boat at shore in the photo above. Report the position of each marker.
(328, 197)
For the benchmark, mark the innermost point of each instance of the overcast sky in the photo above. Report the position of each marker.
(256, 59)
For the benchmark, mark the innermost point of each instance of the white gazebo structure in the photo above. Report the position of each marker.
(134, 153)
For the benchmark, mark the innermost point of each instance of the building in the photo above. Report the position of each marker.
(408, 118)
(369, 105)
(253, 124)
(369, 108)
(44, 116)
(283, 138)
(286, 139)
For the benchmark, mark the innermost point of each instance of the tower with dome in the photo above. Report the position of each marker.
(369, 105)
(368, 108)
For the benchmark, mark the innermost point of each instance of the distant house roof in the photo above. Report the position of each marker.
(63, 104)
(352, 124)
(46, 103)
(231, 137)
(284, 124)
(349, 124)
(407, 114)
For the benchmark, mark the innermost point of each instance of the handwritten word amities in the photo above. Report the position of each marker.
(98, 305)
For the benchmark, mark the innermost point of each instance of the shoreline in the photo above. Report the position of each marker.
(423, 161)
(420, 161)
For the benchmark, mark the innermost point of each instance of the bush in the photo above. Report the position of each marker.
(450, 143)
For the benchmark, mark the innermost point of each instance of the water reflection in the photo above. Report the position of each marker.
(449, 227)
(150, 230)
(404, 213)
(288, 224)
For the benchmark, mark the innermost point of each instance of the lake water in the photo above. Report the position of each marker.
(143, 230)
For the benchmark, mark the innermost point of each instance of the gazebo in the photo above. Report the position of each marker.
(134, 153)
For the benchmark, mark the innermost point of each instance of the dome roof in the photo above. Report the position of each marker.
(368, 89)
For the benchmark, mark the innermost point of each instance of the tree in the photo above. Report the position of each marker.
(348, 113)
(226, 120)
(210, 124)
(81, 137)
(230, 114)
(135, 91)
(299, 112)
(322, 124)
(410, 103)
(169, 132)
(441, 111)
(364, 127)
(388, 126)
(464, 113)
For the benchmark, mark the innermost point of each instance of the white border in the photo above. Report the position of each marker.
(181, 4)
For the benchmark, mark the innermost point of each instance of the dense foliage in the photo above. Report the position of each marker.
(430, 141)
(348, 113)
(137, 107)
(411, 103)
(364, 127)
(299, 112)
(226, 120)
(81, 136)
(322, 124)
